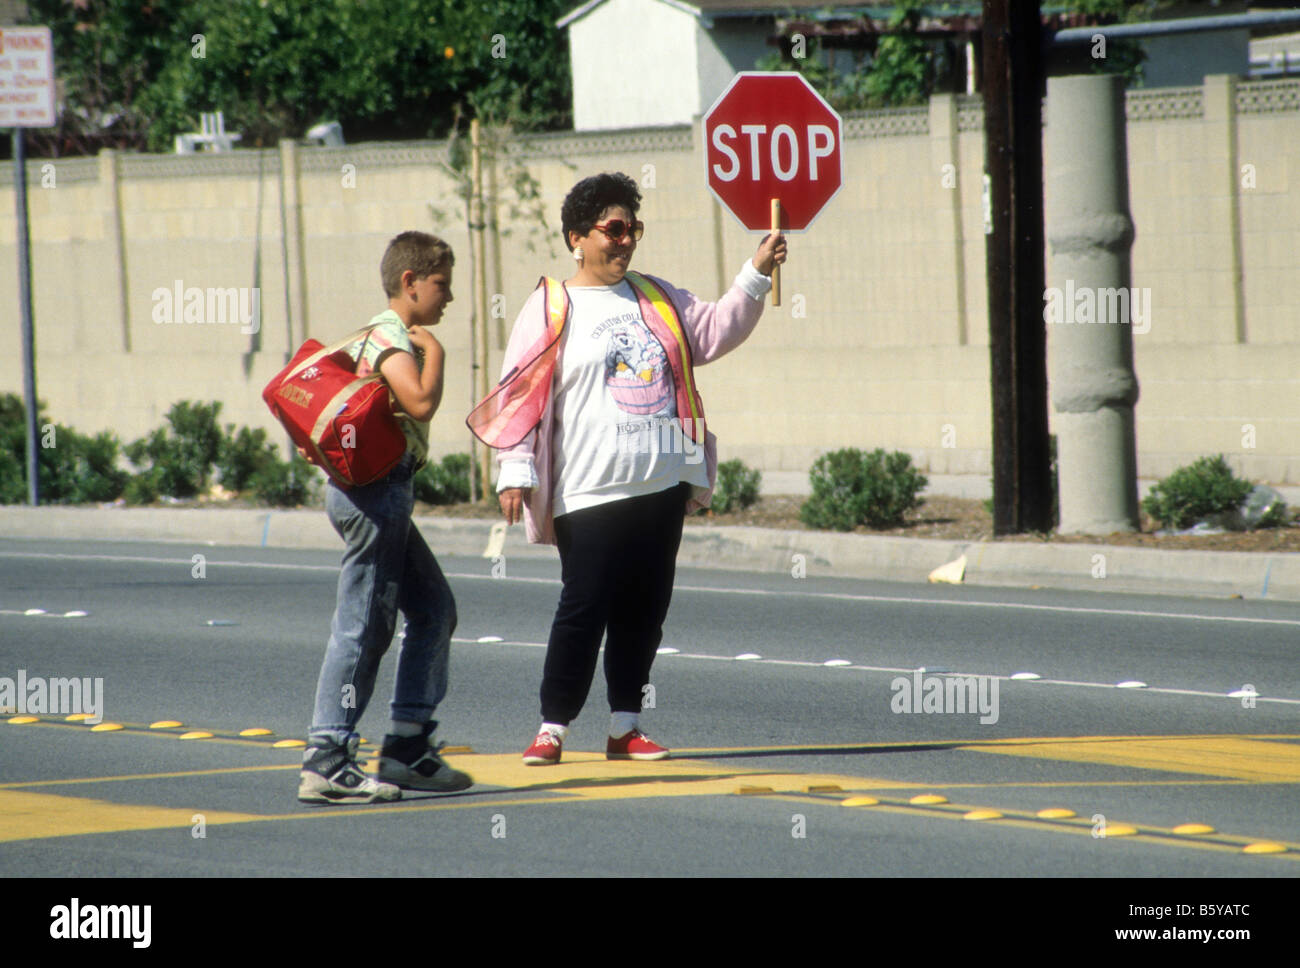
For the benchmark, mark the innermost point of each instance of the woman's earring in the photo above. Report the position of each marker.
(577, 254)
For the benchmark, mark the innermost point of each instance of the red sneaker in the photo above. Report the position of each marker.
(545, 750)
(636, 745)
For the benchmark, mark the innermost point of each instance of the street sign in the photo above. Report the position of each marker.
(27, 94)
(770, 136)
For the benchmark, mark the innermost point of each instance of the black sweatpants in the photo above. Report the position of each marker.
(617, 564)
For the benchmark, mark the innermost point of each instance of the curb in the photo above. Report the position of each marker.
(1252, 575)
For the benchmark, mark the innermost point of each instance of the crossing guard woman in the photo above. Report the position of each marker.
(603, 448)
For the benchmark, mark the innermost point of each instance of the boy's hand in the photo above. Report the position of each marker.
(771, 251)
(422, 338)
(512, 503)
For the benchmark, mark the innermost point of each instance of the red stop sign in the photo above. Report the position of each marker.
(770, 135)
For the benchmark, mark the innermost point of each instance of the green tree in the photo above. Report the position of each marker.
(135, 74)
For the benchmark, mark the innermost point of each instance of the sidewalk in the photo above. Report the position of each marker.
(1273, 577)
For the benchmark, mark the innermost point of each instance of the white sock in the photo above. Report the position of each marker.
(402, 727)
(556, 730)
(620, 724)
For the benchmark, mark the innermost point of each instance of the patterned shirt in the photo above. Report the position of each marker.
(389, 336)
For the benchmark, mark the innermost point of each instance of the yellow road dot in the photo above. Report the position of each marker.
(1119, 830)
(285, 744)
(106, 728)
(928, 798)
(76, 718)
(859, 802)
(1193, 828)
(750, 790)
(255, 731)
(196, 734)
(22, 720)
(982, 815)
(458, 749)
(166, 724)
(824, 788)
(1263, 848)
(1055, 813)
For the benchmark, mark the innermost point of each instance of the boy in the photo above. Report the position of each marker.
(387, 565)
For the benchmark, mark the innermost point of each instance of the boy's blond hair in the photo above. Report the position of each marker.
(422, 253)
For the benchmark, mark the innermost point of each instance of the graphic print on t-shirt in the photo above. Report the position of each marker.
(637, 373)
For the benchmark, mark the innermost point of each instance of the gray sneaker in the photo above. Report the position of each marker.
(413, 763)
(331, 775)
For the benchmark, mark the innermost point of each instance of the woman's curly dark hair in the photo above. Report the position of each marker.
(588, 199)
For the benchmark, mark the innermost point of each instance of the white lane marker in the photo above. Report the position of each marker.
(895, 670)
(41, 613)
(1131, 684)
(1025, 675)
(748, 656)
(837, 662)
(834, 596)
(490, 638)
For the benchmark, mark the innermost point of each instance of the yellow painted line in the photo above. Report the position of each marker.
(149, 776)
(962, 742)
(1222, 756)
(746, 791)
(32, 816)
(1194, 828)
(982, 814)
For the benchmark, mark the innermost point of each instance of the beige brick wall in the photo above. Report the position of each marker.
(881, 341)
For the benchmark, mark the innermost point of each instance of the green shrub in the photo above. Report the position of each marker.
(850, 488)
(736, 488)
(183, 453)
(73, 468)
(143, 488)
(285, 484)
(446, 482)
(242, 455)
(1206, 486)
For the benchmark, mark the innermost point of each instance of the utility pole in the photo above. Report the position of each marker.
(1013, 83)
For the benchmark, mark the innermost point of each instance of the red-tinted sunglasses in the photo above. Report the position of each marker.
(615, 229)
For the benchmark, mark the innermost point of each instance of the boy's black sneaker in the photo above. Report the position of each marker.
(413, 763)
(331, 775)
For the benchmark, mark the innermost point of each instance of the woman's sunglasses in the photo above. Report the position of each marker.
(615, 229)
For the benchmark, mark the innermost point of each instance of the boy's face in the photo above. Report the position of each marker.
(428, 296)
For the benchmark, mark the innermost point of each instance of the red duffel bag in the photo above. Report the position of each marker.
(346, 421)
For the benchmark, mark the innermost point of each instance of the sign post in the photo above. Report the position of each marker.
(26, 101)
(772, 153)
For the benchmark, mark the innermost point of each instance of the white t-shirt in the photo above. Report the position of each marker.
(616, 430)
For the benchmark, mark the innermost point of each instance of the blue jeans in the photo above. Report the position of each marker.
(386, 567)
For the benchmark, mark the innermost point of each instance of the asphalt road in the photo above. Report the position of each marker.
(770, 752)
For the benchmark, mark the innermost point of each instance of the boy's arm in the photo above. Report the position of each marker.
(418, 391)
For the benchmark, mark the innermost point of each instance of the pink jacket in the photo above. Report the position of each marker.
(713, 329)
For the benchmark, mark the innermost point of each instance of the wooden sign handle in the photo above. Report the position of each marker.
(776, 269)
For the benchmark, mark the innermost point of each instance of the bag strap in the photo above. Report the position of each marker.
(330, 351)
